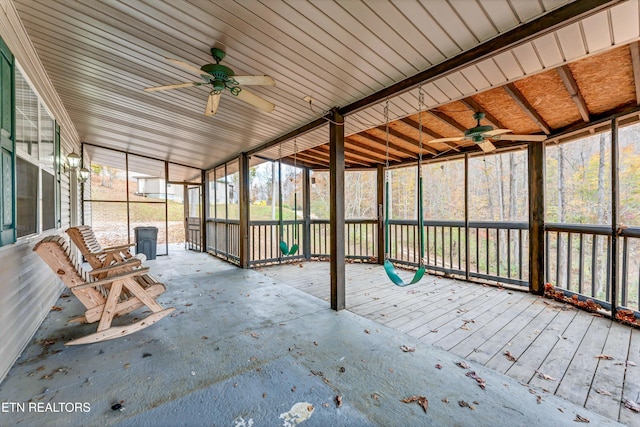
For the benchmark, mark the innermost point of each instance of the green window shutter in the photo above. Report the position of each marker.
(58, 170)
(7, 147)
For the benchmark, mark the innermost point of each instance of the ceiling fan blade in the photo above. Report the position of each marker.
(173, 86)
(486, 146)
(256, 101)
(523, 137)
(255, 80)
(452, 139)
(197, 71)
(212, 104)
(495, 132)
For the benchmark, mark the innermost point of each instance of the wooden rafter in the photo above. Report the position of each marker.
(429, 132)
(353, 147)
(477, 108)
(325, 150)
(574, 91)
(402, 136)
(310, 159)
(448, 120)
(635, 62)
(376, 140)
(519, 98)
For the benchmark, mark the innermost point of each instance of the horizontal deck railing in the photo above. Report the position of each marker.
(578, 257)
(579, 260)
(498, 251)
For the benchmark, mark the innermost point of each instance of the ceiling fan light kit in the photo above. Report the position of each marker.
(222, 78)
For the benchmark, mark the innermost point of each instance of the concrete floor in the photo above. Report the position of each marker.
(242, 350)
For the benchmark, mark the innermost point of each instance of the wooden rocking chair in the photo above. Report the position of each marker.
(114, 295)
(85, 240)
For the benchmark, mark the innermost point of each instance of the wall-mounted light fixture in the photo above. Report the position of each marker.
(74, 160)
(83, 175)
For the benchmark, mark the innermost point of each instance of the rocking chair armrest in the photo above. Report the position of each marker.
(111, 279)
(135, 262)
(118, 248)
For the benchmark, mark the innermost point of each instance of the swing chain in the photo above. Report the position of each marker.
(386, 119)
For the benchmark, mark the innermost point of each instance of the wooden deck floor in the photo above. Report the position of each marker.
(554, 346)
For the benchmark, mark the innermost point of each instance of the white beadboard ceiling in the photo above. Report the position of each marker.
(101, 54)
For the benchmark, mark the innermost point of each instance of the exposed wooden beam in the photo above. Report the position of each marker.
(392, 146)
(519, 98)
(416, 126)
(635, 62)
(477, 108)
(353, 146)
(312, 160)
(323, 150)
(574, 91)
(402, 136)
(447, 120)
(365, 157)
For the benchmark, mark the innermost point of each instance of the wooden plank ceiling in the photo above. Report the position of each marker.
(100, 55)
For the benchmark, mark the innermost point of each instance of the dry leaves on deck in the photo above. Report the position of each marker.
(480, 381)
(632, 405)
(545, 376)
(422, 401)
(581, 419)
(338, 401)
(604, 356)
(603, 392)
(510, 357)
(407, 349)
(463, 365)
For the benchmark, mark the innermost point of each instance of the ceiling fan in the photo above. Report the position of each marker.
(481, 135)
(222, 78)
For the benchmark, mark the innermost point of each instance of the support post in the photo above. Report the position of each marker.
(206, 197)
(336, 220)
(536, 217)
(467, 246)
(380, 205)
(306, 213)
(615, 194)
(244, 210)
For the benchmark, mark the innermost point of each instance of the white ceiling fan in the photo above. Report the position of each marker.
(482, 135)
(222, 78)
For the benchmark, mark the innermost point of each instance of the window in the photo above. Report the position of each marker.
(37, 162)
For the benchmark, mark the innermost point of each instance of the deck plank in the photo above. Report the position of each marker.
(631, 389)
(576, 383)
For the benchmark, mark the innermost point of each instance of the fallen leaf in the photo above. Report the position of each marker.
(545, 376)
(264, 395)
(538, 399)
(480, 381)
(423, 402)
(255, 335)
(338, 401)
(464, 404)
(56, 308)
(341, 369)
(366, 331)
(438, 366)
(510, 357)
(604, 356)
(632, 405)
(315, 343)
(317, 373)
(445, 400)
(325, 405)
(581, 419)
(410, 399)
(434, 331)
(375, 396)
(463, 365)
(407, 349)
(603, 392)
(293, 388)
(465, 328)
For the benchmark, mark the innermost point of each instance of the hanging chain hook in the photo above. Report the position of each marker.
(386, 119)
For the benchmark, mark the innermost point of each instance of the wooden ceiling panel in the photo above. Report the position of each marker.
(550, 98)
(436, 125)
(506, 110)
(605, 81)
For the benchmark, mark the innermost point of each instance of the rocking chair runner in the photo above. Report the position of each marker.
(85, 240)
(117, 294)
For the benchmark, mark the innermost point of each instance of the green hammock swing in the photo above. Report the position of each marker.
(388, 266)
(284, 247)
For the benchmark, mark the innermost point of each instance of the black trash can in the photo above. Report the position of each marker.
(147, 241)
